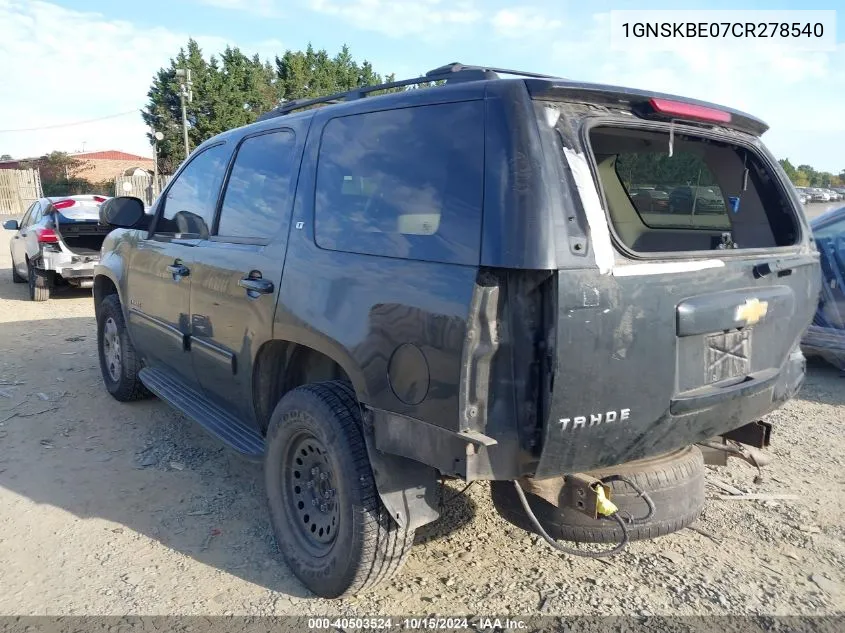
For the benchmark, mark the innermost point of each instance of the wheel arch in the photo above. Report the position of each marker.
(104, 285)
(284, 364)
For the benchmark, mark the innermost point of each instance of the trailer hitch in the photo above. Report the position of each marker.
(748, 454)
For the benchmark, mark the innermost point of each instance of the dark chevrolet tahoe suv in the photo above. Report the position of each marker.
(453, 282)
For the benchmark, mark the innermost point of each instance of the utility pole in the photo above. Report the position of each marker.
(157, 136)
(185, 92)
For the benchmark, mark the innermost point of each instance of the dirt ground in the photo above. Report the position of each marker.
(109, 508)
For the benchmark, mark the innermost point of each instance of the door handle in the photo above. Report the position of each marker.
(255, 285)
(178, 269)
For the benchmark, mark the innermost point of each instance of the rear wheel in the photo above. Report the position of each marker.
(327, 516)
(40, 283)
(674, 481)
(119, 363)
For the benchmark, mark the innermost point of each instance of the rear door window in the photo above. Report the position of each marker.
(403, 183)
(258, 194)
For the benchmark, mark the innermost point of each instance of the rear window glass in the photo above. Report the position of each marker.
(699, 194)
(673, 191)
(403, 183)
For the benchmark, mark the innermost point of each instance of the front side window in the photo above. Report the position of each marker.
(191, 200)
(403, 183)
(27, 217)
(258, 195)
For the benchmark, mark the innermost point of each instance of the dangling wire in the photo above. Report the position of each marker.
(622, 522)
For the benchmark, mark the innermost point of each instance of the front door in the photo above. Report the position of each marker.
(18, 241)
(158, 287)
(158, 295)
(238, 270)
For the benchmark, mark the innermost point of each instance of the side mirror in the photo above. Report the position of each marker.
(11, 225)
(125, 212)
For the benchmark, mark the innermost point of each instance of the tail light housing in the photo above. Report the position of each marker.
(64, 204)
(47, 236)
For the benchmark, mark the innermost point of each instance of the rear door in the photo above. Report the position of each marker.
(689, 328)
(238, 270)
(158, 283)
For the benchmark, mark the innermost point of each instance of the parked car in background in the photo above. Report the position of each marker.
(650, 200)
(833, 195)
(57, 241)
(826, 336)
(803, 196)
(687, 199)
(818, 195)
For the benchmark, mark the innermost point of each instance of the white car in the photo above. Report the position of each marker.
(58, 240)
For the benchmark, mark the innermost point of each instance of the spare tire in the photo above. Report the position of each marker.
(674, 481)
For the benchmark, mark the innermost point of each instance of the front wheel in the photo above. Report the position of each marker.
(118, 362)
(327, 516)
(16, 278)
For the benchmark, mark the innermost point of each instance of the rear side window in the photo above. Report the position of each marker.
(258, 197)
(403, 183)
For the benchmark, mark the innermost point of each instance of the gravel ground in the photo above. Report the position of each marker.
(108, 508)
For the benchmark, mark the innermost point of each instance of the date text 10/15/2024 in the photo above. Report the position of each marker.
(419, 624)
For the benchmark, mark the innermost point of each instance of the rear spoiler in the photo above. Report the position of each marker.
(645, 104)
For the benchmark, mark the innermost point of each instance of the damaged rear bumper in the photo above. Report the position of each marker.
(569, 448)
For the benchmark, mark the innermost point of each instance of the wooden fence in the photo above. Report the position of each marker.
(19, 188)
(141, 187)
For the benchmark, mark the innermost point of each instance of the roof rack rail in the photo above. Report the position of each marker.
(450, 73)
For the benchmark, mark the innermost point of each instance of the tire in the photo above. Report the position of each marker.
(40, 283)
(347, 543)
(674, 481)
(16, 278)
(113, 344)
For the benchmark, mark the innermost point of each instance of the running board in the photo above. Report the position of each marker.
(221, 424)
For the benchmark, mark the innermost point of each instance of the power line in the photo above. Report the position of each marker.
(53, 127)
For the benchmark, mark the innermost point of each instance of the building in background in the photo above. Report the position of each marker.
(91, 166)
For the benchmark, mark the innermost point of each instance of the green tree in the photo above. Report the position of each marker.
(62, 174)
(789, 169)
(163, 112)
(809, 174)
(234, 89)
(6, 157)
(309, 73)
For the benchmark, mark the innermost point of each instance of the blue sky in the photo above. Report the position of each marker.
(92, 58)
